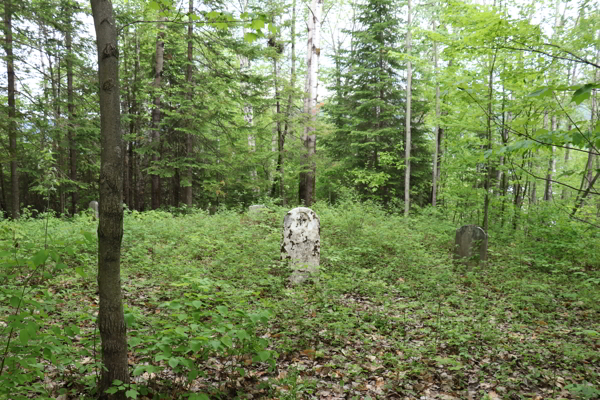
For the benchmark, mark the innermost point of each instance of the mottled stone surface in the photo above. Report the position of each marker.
(471, 241)
(256, 208)
(94, 206)
(301, 244)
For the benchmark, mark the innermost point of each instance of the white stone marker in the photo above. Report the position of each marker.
(301, 243)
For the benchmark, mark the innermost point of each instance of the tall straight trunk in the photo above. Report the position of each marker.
(71, 117)
(489, 169)
(12, 109)
(278, 127)
(140, 184)
(437, 125)
(288, 112)
(308, 177)
(551, 166)
(572, 77)
(111, 320)
(156, 114)
(188, 197)
(408, 140)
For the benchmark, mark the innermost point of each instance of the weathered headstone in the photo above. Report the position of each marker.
(301, 244)
(94, 206)
(471, 241)
(256, 208)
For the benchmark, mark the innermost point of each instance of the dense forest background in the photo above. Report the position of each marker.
(224, 104)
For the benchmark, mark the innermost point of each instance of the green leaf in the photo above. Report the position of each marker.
(129, 319)
(134, 341)
(153, 5)
(250, 37)
(111, 390)
(15, 301)
(223, 310)
(541, 92)
(173, 362)
(197, 303)
(140, 369)
(257, 24)
(131, 393)
(117, 382)
(241, 371)
(272, 28)
(24, 336)
(80, 272)
(226, 340)
(264, 355)
(40, 257)
(583, 93)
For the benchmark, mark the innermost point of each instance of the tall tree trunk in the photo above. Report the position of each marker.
(308, 177)
(140, 184)
(156, 114)
(12, 109)
(288, 112)
(437, 125)
(571, 76)
(551, 166)
(111, 320)
(408, 140)
(71, 115)
(489, 169)
(188, 197)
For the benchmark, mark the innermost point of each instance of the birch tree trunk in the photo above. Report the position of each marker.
(111, 320)
(307, 178)
(12, 109)
(156, 115)
(408, 139)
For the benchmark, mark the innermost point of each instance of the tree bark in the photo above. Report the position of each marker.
(111, 321)
(188, 196)
(307, 178)
(288, 112)
(156, 115)
(437, 125)
(407, 142)
(488, 172)
(12, 110)
(71, 114)
(551, 166)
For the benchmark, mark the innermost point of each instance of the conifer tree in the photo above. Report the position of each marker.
(369, 108)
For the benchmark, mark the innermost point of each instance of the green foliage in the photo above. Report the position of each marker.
(368, 111)
(207, 295)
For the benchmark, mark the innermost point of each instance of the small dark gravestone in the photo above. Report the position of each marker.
(471, 241)
(301, 243)
(94, 206)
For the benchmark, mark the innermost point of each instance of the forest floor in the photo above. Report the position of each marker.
(391, 316)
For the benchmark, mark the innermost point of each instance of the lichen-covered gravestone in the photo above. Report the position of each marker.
(94, 206)
(301, 244)
(471, 241)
